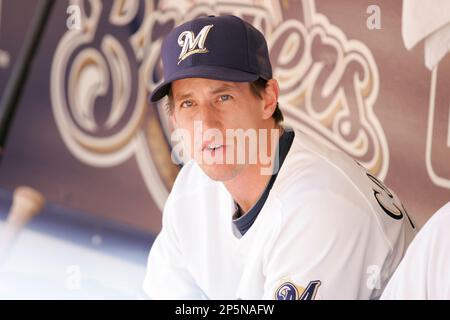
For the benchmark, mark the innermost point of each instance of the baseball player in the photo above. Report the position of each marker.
(424, 271)
(316, 226)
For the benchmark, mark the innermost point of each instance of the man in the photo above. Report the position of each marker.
(424, 272)
(309, 223)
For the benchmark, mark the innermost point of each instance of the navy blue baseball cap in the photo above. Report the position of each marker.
(215, 47)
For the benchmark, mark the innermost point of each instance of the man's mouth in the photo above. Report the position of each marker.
(214, 149)
(213, 146)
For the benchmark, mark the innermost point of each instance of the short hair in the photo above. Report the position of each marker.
(256, 87)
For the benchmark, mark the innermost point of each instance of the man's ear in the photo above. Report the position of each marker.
(270, 97)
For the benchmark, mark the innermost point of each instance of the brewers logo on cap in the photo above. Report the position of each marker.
(190, 44)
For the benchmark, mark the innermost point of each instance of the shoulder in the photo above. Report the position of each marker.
(319, 175)
(423, 272)
(434, 234)
(439, 221)
(433, 239)
(323, 187)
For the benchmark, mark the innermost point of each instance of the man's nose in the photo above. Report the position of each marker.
(208, 116)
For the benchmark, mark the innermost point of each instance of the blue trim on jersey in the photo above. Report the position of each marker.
(243, 223)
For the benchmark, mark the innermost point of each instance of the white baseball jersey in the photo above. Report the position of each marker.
(328, 230)
(424, 273)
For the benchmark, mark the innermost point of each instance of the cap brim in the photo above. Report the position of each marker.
(208, 72)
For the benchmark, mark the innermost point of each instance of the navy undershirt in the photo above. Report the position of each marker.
(243, 223)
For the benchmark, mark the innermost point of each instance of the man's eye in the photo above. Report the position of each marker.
(225, 97)
(186, 104)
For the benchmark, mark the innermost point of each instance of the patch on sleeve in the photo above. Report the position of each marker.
(289, 291)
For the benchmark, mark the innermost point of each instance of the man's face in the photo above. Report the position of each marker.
(206, 109)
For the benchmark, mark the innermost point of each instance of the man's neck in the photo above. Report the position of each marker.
(247, 187)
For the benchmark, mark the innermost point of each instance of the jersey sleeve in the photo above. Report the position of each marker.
(167, 276)
(322, 250)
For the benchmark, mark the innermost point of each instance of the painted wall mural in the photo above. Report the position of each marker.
(86, 136)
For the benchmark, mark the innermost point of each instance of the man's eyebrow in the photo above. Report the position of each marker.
(224, 87)
(183, 96)
(221, 88)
